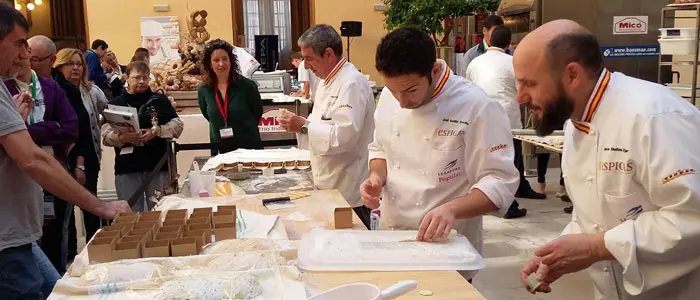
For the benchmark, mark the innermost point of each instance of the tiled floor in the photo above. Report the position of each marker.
(509, 244)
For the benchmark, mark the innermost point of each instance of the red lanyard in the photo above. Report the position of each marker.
(223, 110)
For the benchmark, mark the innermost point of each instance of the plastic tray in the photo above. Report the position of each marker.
(351, 250)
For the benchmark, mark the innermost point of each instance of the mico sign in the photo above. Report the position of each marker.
(631, 25)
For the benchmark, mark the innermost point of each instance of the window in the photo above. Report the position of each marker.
(275, 20)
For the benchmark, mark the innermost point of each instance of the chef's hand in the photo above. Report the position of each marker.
(146, 135)
(531, 267)
(129, 137)
(110, 210)
(436, 224)
(23, 102)
(291, 122)
(572, 253)
(370, 190)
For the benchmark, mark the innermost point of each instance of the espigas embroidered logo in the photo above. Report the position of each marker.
(679, 173)
(450, 172)
(499, 147)
(617, 166)
(449, 132)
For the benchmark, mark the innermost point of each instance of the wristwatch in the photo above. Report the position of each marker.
(81, 168)
(305, 128)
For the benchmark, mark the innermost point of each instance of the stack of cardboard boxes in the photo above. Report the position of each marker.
(137, 235)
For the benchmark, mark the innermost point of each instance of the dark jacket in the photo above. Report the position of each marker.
(244, 113)
(95, 71)
(84, 146)
(145, 157)
(60, 126)
(116, 87)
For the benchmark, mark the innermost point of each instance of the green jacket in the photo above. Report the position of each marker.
(244, 113)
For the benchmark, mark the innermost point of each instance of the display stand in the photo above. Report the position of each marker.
(668, 17)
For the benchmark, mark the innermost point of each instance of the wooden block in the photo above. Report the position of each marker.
(159, 248)
(100, 250)
(199, 236)
(226, 208)
(166, 236)
(128, 217)
(204, 227)
(174, 222)
(343, 217)
(176, 229)
(225, 231)
(184, 247)
(223, 217)
(201, 220)
(127, 250)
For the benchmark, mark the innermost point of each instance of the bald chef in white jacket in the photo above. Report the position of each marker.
(341, 124)
(630, 162)
(442, 150)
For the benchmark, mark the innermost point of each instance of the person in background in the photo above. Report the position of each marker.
(341, 124)
(305, 76)
(26, 169)
(442, 149)
(141, 54)
(630, 165)
(115, 75)
(158, 122)
(90, 101)
(228, 100)
(93, 58)
(53, 126)
(490, 23)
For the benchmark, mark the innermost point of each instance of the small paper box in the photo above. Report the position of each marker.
(204, 227)
(225, 231)
(150, 217)
(176, 229)
(199, 220)
(145, 225)
(201, 211)
(198, 236)
(166, 236)
(175, 222)
(131, 238)
(343, 217)
(176, 212)
(100, 250)
(223, 217)
(184, 247)
(123, 228)
(146, 233)
(127, 217)
(127, 250)
(226, 208)
(159, 248)
(108, 234)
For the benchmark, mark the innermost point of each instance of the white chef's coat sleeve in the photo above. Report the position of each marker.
(341, 133)
(376, 149)
(661, 246)
(490, 162)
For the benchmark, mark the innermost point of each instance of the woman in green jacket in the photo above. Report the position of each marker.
(228, 100)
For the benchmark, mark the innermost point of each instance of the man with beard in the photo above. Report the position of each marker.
(442, 149)
(630, 165)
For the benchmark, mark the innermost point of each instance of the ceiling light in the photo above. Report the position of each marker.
(30, 6)
(18, 6)
(38, 2)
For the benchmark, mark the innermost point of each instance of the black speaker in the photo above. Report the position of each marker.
(351, 28)
(267, 52)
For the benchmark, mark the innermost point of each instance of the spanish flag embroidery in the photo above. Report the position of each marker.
(679, 173)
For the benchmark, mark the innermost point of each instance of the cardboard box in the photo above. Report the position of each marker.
(223, 217)
(199, 220)
(131, 238)
(175, 222)
(176, 229)
(127, 250)
(100, 250)
(150, 218)
(129, 217)
(167, 236)
(176, 213)
(146, 233)
(343, 217)
(184, 247)
(226, 208)
(145, 225)
(202, 211)
(107, 234)
(122, 228)
(159, 248)
(204, 227)
(225, 231)
(199, 237)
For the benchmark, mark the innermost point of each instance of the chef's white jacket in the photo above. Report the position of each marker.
(493, 72)
(340, 128)
(308, 77)
(630, 166)
(457, 142)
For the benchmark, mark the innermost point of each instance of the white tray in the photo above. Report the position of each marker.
(677, 46)
(354, 250)
(674, 33)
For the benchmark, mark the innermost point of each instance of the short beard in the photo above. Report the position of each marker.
(555, 114)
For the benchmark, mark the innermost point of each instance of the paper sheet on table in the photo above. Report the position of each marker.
(257, 275)
(268, 155)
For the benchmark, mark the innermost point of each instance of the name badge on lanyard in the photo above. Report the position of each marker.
(226, 132)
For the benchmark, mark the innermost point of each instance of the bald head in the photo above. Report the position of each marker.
(43, 54)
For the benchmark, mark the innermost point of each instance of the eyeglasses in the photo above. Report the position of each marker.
(36, 59)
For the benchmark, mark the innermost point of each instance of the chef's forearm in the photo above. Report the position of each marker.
(377, 167)
(472, 205)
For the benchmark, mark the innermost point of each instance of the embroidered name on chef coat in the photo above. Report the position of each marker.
(615, 149)
(679, 173)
